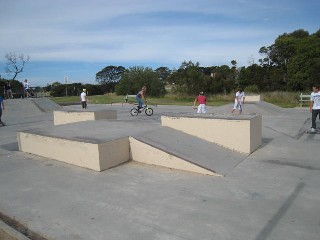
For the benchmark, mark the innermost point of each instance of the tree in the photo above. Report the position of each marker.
(163, 73)
(110, 74)
(135, 77)
(15, 63)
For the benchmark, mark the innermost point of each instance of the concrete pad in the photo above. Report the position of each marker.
(64, 117)
(272, 194)
(240, 133)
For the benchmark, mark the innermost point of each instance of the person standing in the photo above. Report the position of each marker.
(83, 97)
(202, 100)
(314, 107)
(26, 88)
(239, 101)
(1, 109)
(8, 90)
(141, 96)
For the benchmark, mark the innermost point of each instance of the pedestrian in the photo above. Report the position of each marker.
(26, 88)
(1, 109)
(314, 106)
(141, 96)
(239, 101)
(83, 97)
(8, 90)
(202, 100)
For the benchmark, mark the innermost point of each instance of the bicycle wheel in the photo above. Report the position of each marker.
(149, 111)
(134, 112)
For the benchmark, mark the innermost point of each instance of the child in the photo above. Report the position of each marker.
(83, 97)
(239, 101)
(202, 100)
(141, 96)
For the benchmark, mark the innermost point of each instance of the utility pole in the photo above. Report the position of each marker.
(66, 81)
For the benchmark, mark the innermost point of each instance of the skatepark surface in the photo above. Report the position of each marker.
(272, 193)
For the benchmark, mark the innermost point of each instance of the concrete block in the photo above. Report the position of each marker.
(64, 117)
(97, 156)
(239, 133)
(253, 98)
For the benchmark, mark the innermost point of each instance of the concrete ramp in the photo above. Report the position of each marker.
(201, 153)
(30, 106)
(45, 104)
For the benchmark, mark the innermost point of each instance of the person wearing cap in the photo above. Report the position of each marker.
(202, 100)
(83, 97)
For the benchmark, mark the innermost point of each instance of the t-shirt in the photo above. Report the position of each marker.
(26, 86)
(201, 99)
(239, 96)
(315, 97)
(83, 96)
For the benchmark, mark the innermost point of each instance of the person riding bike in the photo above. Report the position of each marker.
(141, 96)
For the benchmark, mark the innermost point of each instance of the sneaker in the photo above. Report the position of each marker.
(313, 130)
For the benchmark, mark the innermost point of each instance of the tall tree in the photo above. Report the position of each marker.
(110, 74)
(15, 63)
(135, 77)
(163, 73)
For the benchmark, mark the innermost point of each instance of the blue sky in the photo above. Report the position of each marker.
(79, 38)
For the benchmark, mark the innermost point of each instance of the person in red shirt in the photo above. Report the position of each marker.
(202, 100)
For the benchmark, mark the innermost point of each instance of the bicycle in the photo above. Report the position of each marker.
(148, 110)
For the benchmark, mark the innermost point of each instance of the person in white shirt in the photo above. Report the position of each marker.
(83, 97)
(314, 106)
(26, 88)
(239, 100)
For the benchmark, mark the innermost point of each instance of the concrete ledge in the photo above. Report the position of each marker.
(8, 233)
(97, 156)
(253, 98)
(240, 133)
(144, 153)
(64, 117)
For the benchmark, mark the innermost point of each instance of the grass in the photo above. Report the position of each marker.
(282, 99)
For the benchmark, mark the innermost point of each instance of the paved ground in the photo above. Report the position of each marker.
(272, 194)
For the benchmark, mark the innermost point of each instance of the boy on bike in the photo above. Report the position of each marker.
(141, 96)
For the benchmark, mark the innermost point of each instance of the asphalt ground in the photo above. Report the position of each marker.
(271, 194)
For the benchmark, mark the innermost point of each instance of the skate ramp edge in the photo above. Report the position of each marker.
(64, 117)
(102, 155)
(237, 133)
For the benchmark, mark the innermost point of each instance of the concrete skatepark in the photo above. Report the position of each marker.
(272, 193)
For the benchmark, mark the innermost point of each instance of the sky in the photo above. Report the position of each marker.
(73, 40)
